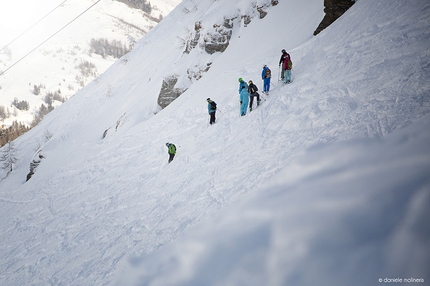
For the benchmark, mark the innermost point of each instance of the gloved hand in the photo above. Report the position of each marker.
(241, 102)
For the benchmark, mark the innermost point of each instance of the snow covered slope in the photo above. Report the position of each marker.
(64, 63)
(104, 191)
(350, 213)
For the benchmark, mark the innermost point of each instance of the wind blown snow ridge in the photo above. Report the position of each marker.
(246, 201)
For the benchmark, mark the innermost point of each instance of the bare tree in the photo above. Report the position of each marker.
(7, 157)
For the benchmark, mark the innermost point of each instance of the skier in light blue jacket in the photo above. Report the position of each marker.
(244, 96)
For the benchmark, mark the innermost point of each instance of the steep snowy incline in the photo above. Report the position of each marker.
(93, 201)
(348, 213)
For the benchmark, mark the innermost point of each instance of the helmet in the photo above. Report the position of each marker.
(167, 144)
(283, 51)
(208, 99)
(250, 82)
(240, 79)
(265, 66)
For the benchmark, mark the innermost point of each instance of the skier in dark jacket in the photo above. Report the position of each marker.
(286, 71)
(211, 110)
(252, 89)
(171, 149)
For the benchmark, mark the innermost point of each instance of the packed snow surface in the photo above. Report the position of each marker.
(327, 182)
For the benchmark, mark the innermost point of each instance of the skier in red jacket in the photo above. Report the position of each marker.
(286, 63)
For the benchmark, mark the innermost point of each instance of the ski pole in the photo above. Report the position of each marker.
(274, 85)
(279, 73)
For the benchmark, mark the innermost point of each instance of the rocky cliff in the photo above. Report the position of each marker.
(333, 9)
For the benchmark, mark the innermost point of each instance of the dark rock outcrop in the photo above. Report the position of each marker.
(168, 92)
(192, 42)
(217, 42)
(333, 10)
(33, 166)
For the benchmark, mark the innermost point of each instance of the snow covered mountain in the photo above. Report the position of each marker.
(326, 183)
(50, 49)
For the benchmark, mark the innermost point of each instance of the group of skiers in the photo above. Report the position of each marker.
(247, 92)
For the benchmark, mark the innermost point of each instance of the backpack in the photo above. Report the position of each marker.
(213, 105)
(289, 64)
(268, 73)
(172, 149)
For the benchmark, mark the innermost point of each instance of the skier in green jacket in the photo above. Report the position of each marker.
(171, 149)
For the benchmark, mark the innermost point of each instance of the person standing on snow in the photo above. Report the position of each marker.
(171, 149)
(286, 63)
(211, 110)
(244, 96)
(252, 89)
(266, 75)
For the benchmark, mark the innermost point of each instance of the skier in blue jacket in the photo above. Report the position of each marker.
(266, 74)
(244, 96)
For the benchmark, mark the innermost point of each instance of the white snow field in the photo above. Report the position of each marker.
(326, 183)
(65, 62)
